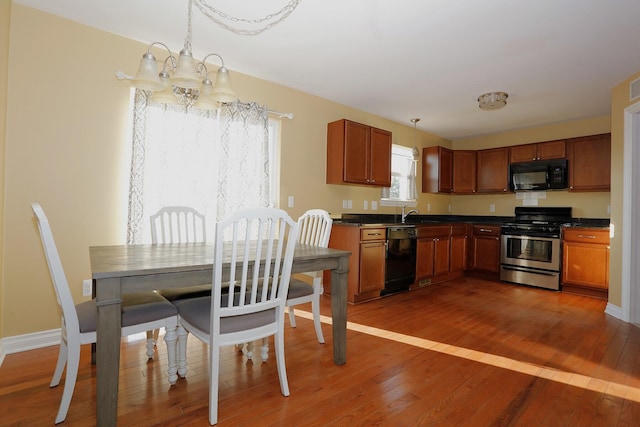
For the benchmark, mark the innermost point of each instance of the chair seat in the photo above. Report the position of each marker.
(299, 288)
(197, 312)
(137, 308)
(175, 294)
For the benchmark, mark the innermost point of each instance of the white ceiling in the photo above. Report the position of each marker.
(557, 59)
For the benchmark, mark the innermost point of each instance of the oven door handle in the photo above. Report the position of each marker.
(545, 273)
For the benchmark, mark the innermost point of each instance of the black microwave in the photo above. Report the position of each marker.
(539, 175)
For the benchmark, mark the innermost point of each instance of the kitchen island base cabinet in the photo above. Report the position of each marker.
(366, 264)
(585, 262)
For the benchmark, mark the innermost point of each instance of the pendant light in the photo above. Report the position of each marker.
(416, 150)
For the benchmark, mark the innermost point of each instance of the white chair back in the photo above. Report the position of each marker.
(59, 279)
(315, 228)
(263, 237)
(178, 224)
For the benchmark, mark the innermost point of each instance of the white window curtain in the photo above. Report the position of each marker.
(403, 176)
(215, 162)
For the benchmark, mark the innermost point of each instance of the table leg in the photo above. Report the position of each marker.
(339, 310)
(109, 299)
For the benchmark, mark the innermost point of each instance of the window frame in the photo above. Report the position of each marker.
(385, 199)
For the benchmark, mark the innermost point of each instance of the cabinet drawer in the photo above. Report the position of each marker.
(373, 234)
(433, 231)
(586, 235)
(488, 230)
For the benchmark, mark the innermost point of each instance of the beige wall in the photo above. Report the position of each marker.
(619, 101)
(5, 13)
(66, 147)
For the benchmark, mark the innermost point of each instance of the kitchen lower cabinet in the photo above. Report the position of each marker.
(585, 261)
(485, 250)
(366, 264)
(459, 239)
(438, 254)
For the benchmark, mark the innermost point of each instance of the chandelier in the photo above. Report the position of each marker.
(492, 100)
(183, 80)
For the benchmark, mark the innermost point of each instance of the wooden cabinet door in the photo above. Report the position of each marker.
(493, 170)
(441, 256)
(464, 171)
(380, 158)
(372, 266)
(552, 150)
(486, 248)
(457, 261)
(356, 153)
(425, 251)
(437, 170)
(523, 153)
(585, 264)
(590, 163)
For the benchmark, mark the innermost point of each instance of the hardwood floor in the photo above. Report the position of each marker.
(465, 353)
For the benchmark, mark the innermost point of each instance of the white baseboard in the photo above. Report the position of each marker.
(614, 310)
(26, 342)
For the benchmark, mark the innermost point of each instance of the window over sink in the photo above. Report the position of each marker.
(403, 178)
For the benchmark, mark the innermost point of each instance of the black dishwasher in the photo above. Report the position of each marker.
(400, 259)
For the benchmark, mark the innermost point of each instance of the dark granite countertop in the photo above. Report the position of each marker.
(419, 219)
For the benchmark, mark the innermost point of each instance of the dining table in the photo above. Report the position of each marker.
(121, 269)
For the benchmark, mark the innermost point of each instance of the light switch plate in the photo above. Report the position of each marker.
(290, 201)
(365, 205)
(374, 205)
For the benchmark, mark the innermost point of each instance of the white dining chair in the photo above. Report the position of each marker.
(314, 228)
(250, 303)
(140, 312)
(178, 224)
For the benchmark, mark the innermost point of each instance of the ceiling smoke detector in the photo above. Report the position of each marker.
(492, 100)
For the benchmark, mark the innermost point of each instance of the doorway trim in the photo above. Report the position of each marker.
(630, 210)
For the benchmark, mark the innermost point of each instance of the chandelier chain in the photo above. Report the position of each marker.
(218, 16)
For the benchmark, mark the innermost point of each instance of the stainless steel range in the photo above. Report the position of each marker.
(530, 252)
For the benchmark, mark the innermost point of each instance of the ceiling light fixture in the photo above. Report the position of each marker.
(492, 100)
(416, 150)
(182, 80)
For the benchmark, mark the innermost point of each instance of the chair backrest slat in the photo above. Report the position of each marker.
(315, 228)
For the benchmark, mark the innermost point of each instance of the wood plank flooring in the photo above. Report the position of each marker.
(469, 352)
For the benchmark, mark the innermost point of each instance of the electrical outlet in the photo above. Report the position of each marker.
(366, 205)
(86, 288)
(374, 205)
(290, 201)
(492, 207)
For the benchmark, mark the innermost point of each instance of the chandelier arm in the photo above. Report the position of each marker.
(203, 66)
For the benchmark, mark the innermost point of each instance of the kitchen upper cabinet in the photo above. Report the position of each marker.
(540, 151)
(437, 170)
(464, 171)
(486, 249)
(585, 261)
(493, 170)
(366, 263)
(358, 154)
(590, 163)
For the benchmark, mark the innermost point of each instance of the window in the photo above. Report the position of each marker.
(215, 162)
(403, 178)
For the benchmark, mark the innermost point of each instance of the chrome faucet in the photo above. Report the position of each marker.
(405, 215)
